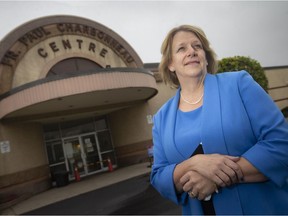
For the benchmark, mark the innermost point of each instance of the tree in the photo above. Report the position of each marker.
(252, 66)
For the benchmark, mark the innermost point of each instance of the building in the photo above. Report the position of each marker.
(76, 97)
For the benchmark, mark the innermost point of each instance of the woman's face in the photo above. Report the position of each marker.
(188, 56)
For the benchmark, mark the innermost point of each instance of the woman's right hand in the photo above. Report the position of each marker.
(197, 185)
(221, 169)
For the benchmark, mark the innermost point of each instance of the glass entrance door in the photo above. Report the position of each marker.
(72, 147)
(82, 153)
(85, 144)
(91, 153)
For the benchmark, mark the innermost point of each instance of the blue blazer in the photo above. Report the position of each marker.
(239, 119)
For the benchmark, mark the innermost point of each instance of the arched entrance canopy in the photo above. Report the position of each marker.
(89, 94)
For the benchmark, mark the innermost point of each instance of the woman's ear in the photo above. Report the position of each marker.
(171, 68)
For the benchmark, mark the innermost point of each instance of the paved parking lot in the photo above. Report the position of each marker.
(124, 191)
(134, 196)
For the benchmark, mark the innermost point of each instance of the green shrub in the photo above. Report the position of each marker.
(252, 66)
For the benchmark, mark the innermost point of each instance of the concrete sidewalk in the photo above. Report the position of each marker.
(76, 188)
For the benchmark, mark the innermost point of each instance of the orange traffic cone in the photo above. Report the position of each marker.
(76, 174)
(110, 165)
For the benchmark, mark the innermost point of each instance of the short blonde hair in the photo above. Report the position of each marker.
(166, 51)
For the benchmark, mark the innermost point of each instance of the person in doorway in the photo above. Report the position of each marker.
(221, 143)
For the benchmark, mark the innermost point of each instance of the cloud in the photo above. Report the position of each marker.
(252, 28)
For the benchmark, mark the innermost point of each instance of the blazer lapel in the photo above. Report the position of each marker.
(211, 131)
(214, 142)
(171, 150)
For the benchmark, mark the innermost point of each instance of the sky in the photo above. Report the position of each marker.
(257, 29)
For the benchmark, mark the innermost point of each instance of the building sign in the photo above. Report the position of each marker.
(37, 35)
(5, 146)
(30, 51)
(149, 119)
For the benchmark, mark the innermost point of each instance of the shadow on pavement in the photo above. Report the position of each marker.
(134, 196)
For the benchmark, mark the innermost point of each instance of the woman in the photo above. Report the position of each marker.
(220, 144)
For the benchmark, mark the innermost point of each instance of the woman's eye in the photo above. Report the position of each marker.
(180, 49)
(197, 46)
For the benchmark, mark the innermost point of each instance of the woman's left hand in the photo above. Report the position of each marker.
(221, 169)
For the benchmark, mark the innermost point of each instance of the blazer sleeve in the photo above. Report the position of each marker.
(270, 154)
(162, 171)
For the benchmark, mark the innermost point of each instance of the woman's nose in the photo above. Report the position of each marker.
(191, 51)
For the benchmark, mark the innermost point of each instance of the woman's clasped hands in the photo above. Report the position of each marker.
(208, 172)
